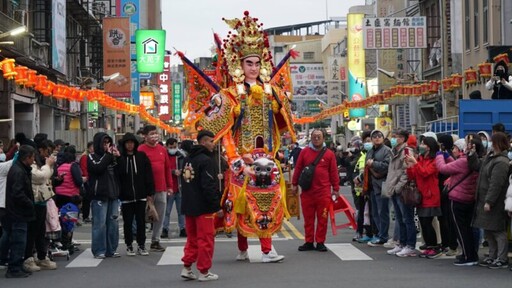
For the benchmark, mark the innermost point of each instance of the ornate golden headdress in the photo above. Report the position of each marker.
(249, 40)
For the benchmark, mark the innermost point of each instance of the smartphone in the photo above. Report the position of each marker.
(406, 151)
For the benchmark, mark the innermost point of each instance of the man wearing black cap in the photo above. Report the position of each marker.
(294, 155)
(200, 201)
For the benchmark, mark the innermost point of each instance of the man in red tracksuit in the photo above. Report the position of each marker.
(315, 201)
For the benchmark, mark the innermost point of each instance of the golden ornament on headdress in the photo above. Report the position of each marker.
(247, 40)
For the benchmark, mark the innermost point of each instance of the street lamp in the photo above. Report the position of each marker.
(14, 32)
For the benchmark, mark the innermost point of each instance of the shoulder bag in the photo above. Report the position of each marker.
(307, 173)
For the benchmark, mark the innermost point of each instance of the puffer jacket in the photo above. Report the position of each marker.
(458, 169)
(491, 188)
(103, 181)
(381, 157)
(397, 176)
(425, 174)
(42, 183)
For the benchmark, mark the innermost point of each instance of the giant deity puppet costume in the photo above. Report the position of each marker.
(248, 119)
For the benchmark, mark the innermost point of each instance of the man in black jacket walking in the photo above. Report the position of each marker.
(200, 201)
(19, 206)
(136, 187)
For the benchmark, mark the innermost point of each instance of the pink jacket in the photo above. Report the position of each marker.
(457, 169)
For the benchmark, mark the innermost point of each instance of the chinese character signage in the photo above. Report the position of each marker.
(150, 50)
(116, 55)
(395, 32)
(308, 81)
(164, 86)
(130, 9)
(147, 99)
(176, 101)
(59, 35)
(356, 63)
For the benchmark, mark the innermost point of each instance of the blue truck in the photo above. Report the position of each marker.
(480, 115)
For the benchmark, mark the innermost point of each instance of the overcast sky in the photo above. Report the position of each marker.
(189, 23)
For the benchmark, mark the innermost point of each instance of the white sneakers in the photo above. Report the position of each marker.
(208, 277)
(271, 257)
(188, 274)
(407, 252)
(394, 250)
(242, 256)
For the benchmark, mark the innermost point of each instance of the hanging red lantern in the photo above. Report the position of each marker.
(387, 94)
(31, 78)
(399, 90)
(470, 76)
(66, 92)
(424, 88)
(447, 84)
(407, 90)
(49, 88)
(41, 83)
(434, 87)
(57, 91)
(7, 66)
(501, 57)
(456, 81)
(485, 70)
(21, 75)
(416, 90)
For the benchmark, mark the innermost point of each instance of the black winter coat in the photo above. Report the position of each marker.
(19, 198)
(201, 194)
(103, 182)
(135, 173)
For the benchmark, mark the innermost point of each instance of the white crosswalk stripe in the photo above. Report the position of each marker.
(347, 252)
(173, 254)
(85, 259)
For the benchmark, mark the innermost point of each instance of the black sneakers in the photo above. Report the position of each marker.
(183, 233)
(308, 246)
(321, 247)
(17, 274)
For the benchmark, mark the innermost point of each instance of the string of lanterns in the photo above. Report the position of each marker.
(29, 78)
(448, 84)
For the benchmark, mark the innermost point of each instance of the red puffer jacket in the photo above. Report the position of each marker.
(425, 174)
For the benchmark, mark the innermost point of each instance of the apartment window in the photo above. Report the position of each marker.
(467, 26)
(309, 55)
(433, 35)
(485, 19)
(278, 50)
(475, 22)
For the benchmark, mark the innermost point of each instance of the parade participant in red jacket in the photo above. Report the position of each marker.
(315, 201)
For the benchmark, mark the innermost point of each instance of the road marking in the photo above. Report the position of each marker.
(347, 252)
(294, 230)
(184, 240)
(172, 256)
(85, 259)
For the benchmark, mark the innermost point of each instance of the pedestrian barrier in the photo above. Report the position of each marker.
(341, 205)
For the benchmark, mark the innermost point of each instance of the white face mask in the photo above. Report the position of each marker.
(2, 157)
(172, 151)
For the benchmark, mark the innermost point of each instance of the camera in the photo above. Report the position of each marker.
(500, 73)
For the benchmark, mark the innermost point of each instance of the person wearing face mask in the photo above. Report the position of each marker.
(395, 181)
(501, 82)
(360, 199)
(377, 163)
(424, 172)
(176, 158)
(161, 165)
(490, 214)
(3, 157)
(486, 141)
(461, 194)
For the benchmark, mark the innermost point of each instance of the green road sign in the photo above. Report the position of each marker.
(150, 45)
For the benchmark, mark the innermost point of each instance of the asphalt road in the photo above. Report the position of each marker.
(346, 264)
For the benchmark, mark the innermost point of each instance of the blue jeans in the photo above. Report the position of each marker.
(405, 218)
(380, 214)
(105, 227)
(14, 240)
(174, 198)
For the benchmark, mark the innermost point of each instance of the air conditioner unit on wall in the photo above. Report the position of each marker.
(21, 16)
